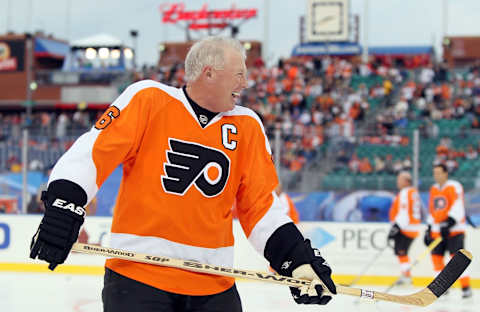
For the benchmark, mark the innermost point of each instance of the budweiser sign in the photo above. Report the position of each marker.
(213, 18)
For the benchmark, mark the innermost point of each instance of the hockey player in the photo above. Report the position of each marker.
(405, 218)
(187, 154)
(446, 219)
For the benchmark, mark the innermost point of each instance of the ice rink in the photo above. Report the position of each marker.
(40, 292)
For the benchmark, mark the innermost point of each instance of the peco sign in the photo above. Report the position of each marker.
(4, 236)
(364, 238)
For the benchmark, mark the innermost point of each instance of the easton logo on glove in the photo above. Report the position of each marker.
(286, 265)
(63, 204)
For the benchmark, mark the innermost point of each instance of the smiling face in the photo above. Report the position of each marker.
(226, 84)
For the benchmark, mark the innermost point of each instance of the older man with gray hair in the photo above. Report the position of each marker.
(187, 154)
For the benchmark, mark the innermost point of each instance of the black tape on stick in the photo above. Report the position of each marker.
(455, 267)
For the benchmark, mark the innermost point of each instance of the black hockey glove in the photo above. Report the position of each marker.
(59, 228)
(290, 255)
(314, 268)
(394, 232)
(445, 227)
(427, 239)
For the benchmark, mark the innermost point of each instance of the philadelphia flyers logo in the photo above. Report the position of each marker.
(192, 163)
(439, 203)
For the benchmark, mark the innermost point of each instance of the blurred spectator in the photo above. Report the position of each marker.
(397, 166)
(452, 164)
(407, 164)
(62, 124)
(365, 166)
(379, 164)
(354, 164)
(471, 153)
(389, 164)
(342, 158)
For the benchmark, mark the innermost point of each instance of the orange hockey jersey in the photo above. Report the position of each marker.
(179, 183)
(446, 201)
(405, 211)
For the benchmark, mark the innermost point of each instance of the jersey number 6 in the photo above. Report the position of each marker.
(107, 117)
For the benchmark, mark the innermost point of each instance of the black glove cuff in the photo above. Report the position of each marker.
(450, 222)
(66, 197)
(282, 244)
(394, 231)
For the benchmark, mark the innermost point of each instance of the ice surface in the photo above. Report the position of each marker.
(40, 292)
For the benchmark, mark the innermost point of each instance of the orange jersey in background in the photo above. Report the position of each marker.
(405, 211)
(447, 201)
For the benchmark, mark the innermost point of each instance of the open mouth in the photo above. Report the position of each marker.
(236, 95)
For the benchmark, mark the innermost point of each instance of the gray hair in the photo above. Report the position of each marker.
(209, 51)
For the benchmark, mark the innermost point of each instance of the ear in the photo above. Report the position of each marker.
(208, 72)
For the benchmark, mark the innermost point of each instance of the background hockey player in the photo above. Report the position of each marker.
(405, 218)
(446, 219)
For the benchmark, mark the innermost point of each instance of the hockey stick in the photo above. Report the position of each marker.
(470, 221)
(419, 258)
(435, 289)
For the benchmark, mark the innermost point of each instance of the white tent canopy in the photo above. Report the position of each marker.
(100, 52)
(98, 40)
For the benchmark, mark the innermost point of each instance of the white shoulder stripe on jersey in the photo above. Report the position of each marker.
(222, 256)
(77, 164)
(272, 220)
(456, 185)
(123, 100)
(245, 111)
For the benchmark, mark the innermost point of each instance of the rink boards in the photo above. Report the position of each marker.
(348, 247)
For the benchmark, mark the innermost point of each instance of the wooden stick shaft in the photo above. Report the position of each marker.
(429, 248)
(188, 265)
(421, 298)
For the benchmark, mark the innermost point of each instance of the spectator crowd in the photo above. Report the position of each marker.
(317, 104)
